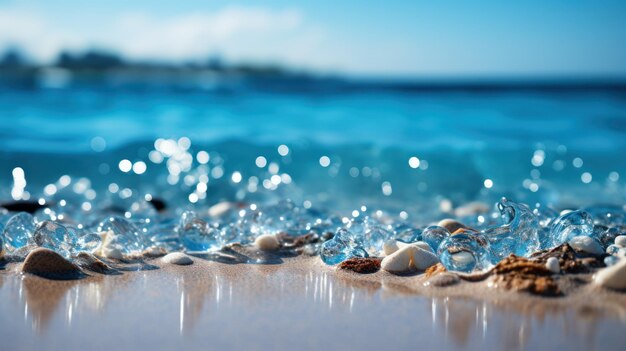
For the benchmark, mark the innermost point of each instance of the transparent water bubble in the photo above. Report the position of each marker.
(606, 236)
(196, 234)
(371, 231)
(569, 225)
(127, 237)
(607, 215)
(612, 249)
(518, 233)
(53, 236)
(19, 230)
(545, 215)
(465, 253)
(407, 234)
(342, 246)
(611, 260)
(87, 243)
(434, 236)
(164, 234)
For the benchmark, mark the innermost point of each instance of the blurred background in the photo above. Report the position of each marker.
(409, 105)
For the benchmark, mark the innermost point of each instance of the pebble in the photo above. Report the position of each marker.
(267, 242)
(178, 258)
(155, 251)
(586, 244)
(552, 264)
(114, 253)
(392, 245)
(423, 259)
(443, 279)
(620, 240)
(613, 277)
(451, 225)
(44, 261)
(399, 261)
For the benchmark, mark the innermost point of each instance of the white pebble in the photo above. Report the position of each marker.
(390, 246)
(178, 258)
(620, 240)
(613, 277)
(399, 261)
(422, 259)
(552, 264)
(111, 252)
(267, 242)
(586, 244)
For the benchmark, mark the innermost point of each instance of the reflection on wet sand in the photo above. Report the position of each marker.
(198, 294)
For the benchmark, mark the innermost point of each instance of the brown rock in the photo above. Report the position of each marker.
(361, 265)
(568, 259)
(521, 274)
(46, 262)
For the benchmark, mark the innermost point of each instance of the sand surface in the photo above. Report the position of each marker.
(294, 303)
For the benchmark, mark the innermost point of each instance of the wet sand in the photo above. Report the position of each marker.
(294, 303)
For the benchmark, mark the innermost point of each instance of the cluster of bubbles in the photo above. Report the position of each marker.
(512, 228)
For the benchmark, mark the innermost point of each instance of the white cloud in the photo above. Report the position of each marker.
(238, 33)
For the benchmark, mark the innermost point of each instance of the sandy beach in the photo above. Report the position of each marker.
(294, 302)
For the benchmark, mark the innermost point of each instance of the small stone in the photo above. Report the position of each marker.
(390, 246)
(443, 279)
(363, 265)
(155, 251)
(553, 265)
(267, 242)
(613, 277)
(620, 240)
(111, 252)
(399, 261)
(419, 244)
(452, 225)
(423, 259)
(586, 244)
(42, 261)
(178, 258)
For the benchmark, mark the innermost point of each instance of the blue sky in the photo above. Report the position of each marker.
(400, 38)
